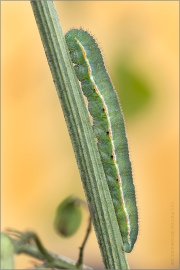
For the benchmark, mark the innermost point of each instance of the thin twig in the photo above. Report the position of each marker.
(23, 244)
(80, 260)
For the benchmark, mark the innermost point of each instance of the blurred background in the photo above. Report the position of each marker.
(140, 45)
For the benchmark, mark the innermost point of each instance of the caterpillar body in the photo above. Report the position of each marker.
(109, 130)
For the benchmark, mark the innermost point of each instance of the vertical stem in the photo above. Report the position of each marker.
(82, 137)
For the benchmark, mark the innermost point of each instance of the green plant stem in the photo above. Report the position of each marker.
(21, 246)
(80, 260)
(82, 137)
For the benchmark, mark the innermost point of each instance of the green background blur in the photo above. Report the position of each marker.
(139, 42)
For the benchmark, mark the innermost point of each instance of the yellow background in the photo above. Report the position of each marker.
(38, 164)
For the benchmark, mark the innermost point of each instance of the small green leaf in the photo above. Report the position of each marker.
(68, 217)
(7, 250)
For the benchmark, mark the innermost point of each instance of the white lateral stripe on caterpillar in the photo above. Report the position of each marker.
(111, 137)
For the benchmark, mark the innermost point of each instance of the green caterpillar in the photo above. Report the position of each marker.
(109, 130)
